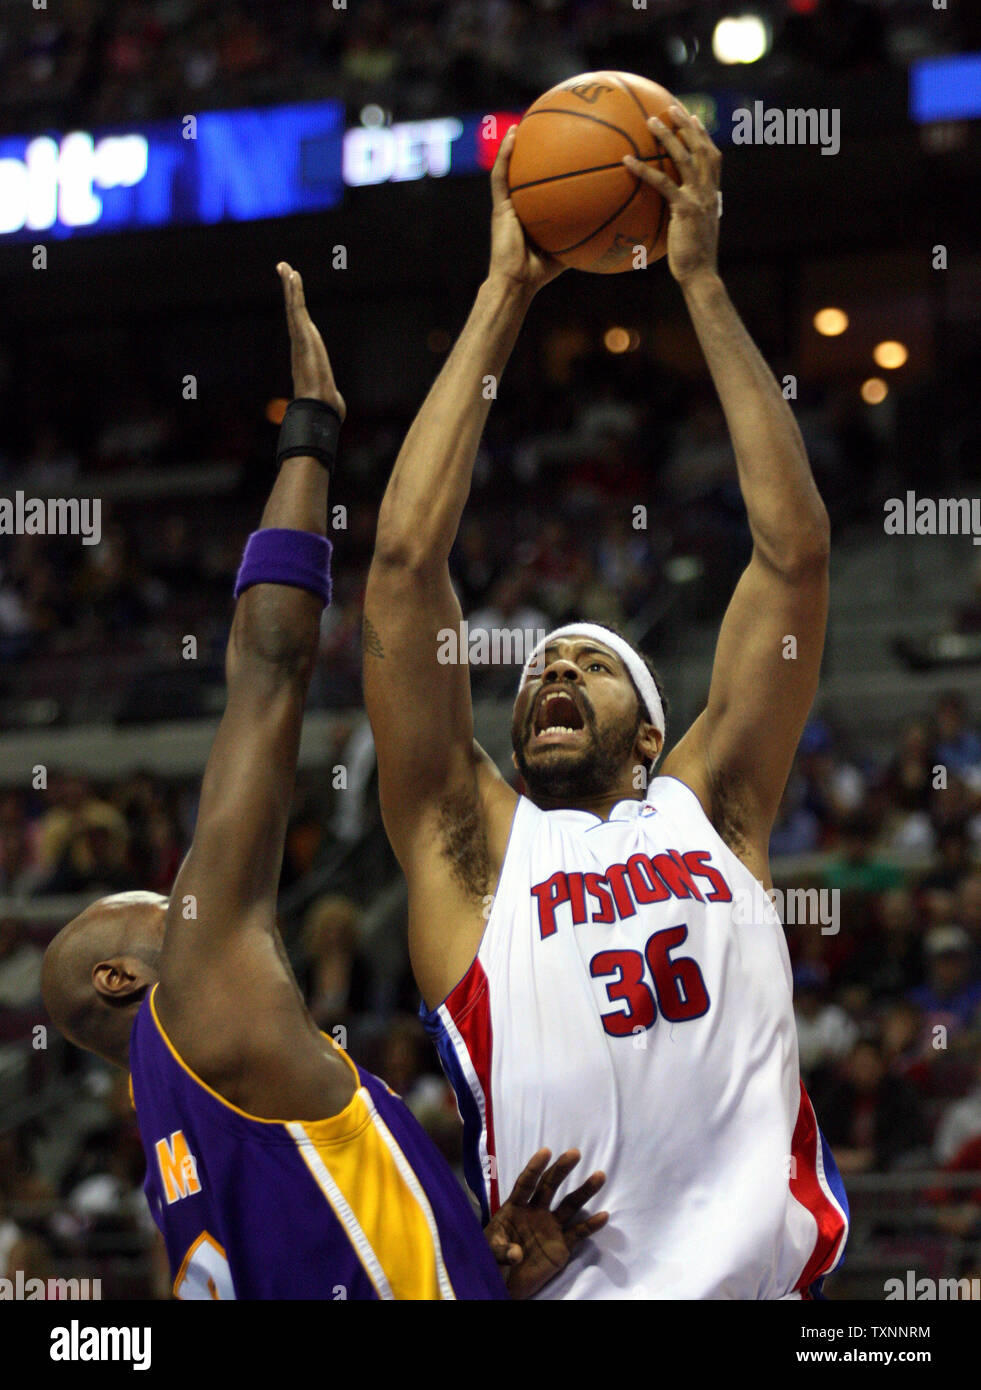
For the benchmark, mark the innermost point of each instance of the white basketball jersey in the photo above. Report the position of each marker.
(631, 998)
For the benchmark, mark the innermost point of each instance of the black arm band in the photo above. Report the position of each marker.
(310, 428)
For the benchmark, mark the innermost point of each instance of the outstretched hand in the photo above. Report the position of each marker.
(529, 1240)
(312, 372)
(694, 204)
(512, 255)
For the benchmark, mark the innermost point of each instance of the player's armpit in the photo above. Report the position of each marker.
(737, 755)
(452, 868)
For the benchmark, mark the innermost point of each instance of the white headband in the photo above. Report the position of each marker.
(642, 678)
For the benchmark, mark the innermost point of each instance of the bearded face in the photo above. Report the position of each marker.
(565, 750)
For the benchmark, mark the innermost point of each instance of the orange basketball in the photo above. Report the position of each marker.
(573, 195)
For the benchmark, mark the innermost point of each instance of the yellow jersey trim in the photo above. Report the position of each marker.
(328, 1124)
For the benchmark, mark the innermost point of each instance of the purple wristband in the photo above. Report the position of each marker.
(279, 556)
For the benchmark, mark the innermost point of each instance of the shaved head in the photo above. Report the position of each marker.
(100, 966)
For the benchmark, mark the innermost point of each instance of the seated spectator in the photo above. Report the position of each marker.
(555, 568)
(959, 1124)
(20, 1000)
(969, 906)
(372, 55)
(401, 1056)
(871, 1119)
(954, 809)
(11, 1237)
(20, 967)
(959, 1208)
(797, 829)
(834, 789)
(968, 617)
(68, 799)
(855, 868)
(825, 1033)
(102, 1189)
(953, 861)
(958, 746)
(624, 562)
(175, 560)
(952, 993)
(510, 623)
(96, 857)
(25, 1253)
(889, 961)
(336, 976)
(474, 565)
(937, 908)
(907, 1042)
(20, 870)
(51, 465)
(21, 1182)
(908, 779)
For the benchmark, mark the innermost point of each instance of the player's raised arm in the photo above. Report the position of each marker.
(221, 923)
(737, 755)
(420, 710)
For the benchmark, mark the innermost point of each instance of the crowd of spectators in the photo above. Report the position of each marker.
(102, 62)
(107, 62)
(620, 498)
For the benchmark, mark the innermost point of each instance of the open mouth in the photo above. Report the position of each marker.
(557, 716)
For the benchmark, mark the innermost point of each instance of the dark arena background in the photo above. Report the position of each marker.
(156, 160)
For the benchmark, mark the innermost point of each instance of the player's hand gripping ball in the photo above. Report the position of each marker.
(568, 184)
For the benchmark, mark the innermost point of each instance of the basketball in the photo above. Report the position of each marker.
(572, 193)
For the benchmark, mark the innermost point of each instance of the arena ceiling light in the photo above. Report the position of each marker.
(740, 39)
(616, 340)
(830, 322)
(890, 355)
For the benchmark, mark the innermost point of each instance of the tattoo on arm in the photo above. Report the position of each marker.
(372, 642)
